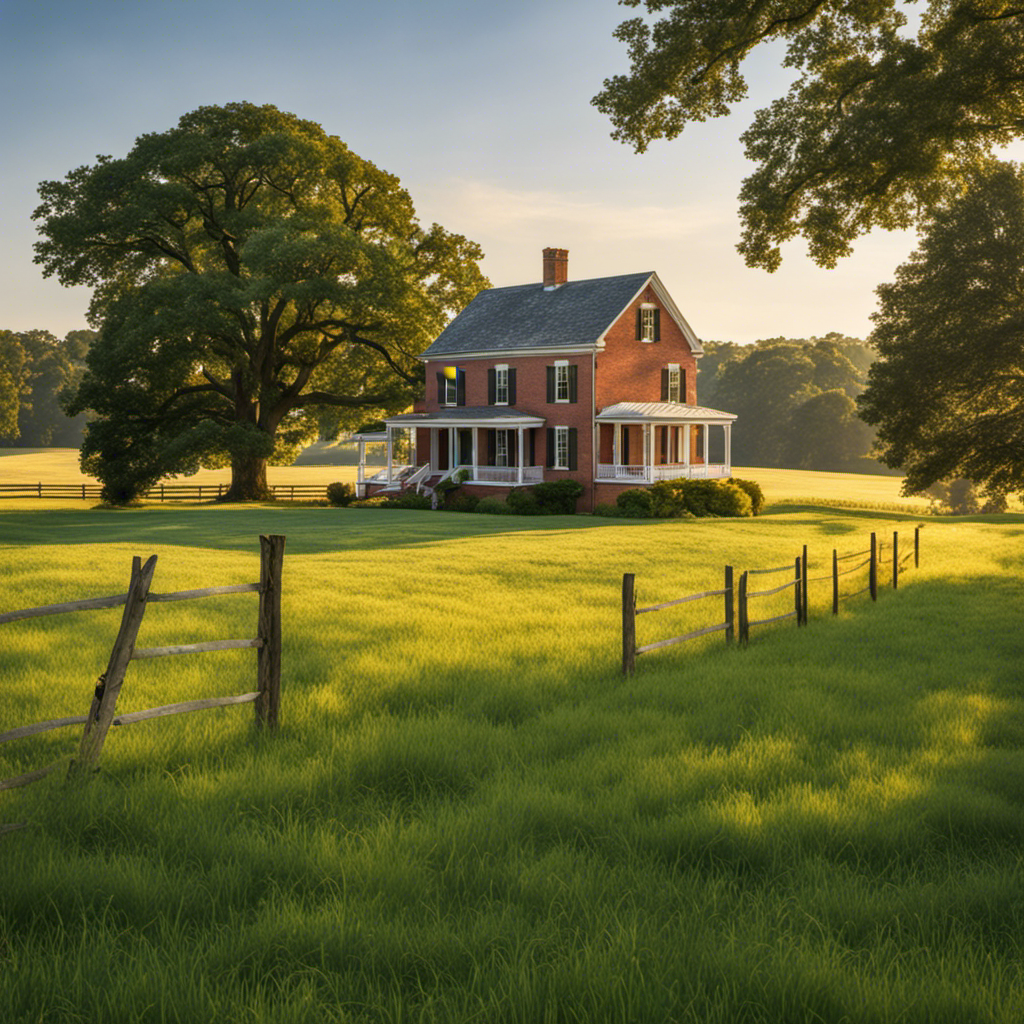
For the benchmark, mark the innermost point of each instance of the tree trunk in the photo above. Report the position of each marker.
(248, 480)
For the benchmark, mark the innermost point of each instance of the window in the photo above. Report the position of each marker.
(501, 447)
(674, 383)
(648, 323)
(561, 448)
(562, 443)
(562, 384)
(501, 387)
(451, 386)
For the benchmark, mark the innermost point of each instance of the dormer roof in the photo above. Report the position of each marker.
(529, 319)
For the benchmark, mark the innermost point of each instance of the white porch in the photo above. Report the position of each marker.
(644, 442)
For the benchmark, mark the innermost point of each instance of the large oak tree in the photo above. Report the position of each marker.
(879, 123)
(947, 394)
(248, 269)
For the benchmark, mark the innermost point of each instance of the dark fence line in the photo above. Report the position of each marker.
(162, 492)
(102, 713)
(799, 582)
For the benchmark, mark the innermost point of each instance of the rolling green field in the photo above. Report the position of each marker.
(470, 815)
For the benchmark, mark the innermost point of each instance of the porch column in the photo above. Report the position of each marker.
(476, 461)
(390, 439)
(520, 456)
(413, 434)
(453, 451)
(686, 449)
(649, 455)
(361, 471)
(616, 445)
(727, 427)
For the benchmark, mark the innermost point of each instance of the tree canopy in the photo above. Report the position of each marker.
(879, 125)
(248, 270)
(795, 399)
(947, 394)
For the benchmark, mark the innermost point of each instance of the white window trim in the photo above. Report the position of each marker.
(501, 368)
(647, 324)
(674, 368)
(561, 438)
(451, 391)
(562, 364)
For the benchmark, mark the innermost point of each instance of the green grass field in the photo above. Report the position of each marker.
(470, 815)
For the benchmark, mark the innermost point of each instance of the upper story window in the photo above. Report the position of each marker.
(562, 379)
(501, 387)
(451, 386)
(561, 382)
(648, 323)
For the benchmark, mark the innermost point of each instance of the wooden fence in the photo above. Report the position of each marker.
(798, 582)
(162, 492)
(102, 710)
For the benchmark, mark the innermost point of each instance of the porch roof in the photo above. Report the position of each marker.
(467, 416)
(662, 412)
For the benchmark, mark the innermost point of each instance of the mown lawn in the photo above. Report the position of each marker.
(469, 815)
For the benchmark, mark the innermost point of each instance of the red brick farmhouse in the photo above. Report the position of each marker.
(595, 381)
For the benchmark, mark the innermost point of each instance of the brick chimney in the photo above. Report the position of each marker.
(556, 268)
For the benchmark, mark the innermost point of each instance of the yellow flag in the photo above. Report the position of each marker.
(451, 372)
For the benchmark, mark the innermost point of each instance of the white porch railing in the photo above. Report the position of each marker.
(505, 474)
(651, 474)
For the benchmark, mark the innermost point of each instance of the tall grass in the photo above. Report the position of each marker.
(469, 815)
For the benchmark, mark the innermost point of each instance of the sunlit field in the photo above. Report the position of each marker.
(470, 815)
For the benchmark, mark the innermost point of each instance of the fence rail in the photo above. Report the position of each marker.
(630, 611)
(102, 711)
(799, 582)
(161, 492)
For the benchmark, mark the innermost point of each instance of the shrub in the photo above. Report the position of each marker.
(377, 501)
(558, 497)
(754, 492)
(636, 503)
(462, 503)
(408, 500)
(340, 493)
(609, 511)
(699, 498)
(523, 502)
(493, 507)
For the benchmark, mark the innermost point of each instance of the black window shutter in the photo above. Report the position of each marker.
(624, 454)
(551, 446)
(460, 387)
(511, 386)
(492, 390)
(572, 447)
(572, 383)
(533, 446)
(664, 384)
(639, 325)
(491, 445)
(657, 325)
(664, 444)
(551, 383)
(682, 387)
(511, 446)
(440, 388)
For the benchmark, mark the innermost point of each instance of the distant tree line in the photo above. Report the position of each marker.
(795, 400)
(36, 370)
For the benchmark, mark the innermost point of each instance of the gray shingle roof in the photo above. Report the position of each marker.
(526, 316)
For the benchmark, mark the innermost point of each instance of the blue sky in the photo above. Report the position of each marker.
(481, 107)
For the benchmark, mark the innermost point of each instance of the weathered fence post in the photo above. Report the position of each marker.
(744, 620)
(835, 581)
(917, 546)
(798, 600)
(804, 584)
(101, 711)
(728, 605)
(873, 569)
(628, 624)
(268, 657)
(895, 559)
